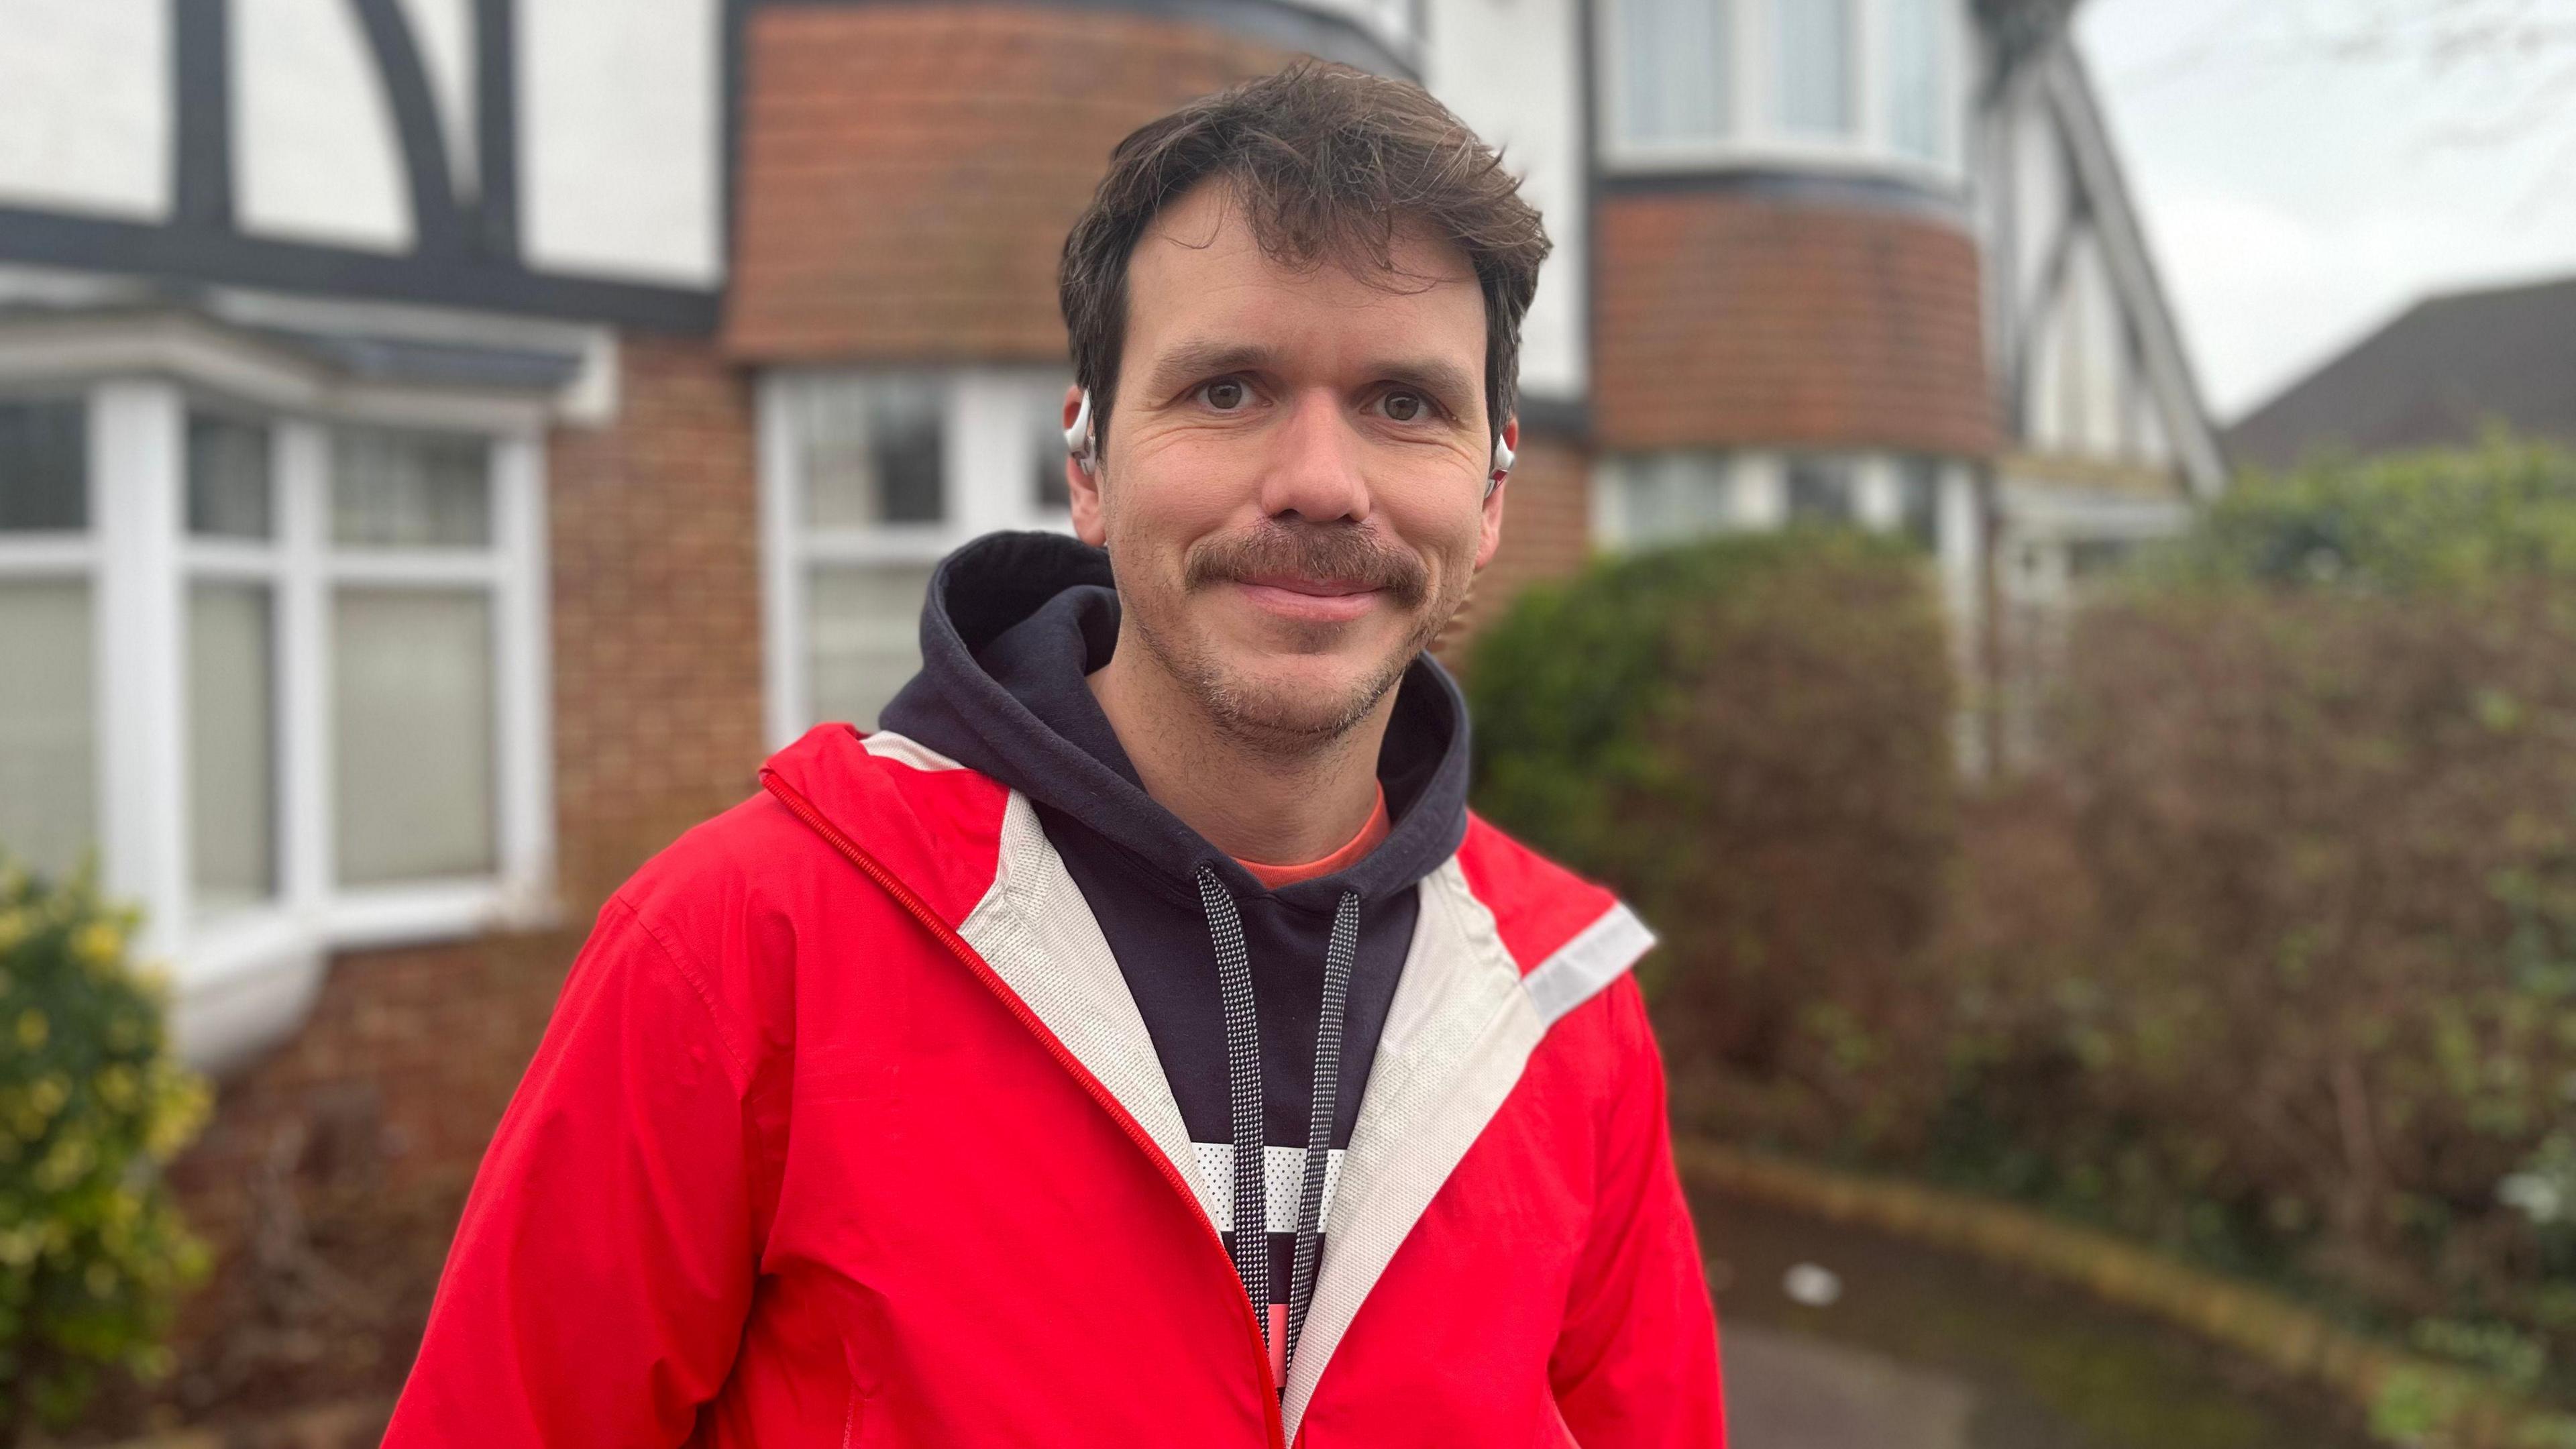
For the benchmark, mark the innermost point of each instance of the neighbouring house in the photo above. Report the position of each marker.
(1875, 260)
(444, 444)
(2439, 375)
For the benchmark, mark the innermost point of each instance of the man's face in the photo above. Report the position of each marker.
(1293, 490)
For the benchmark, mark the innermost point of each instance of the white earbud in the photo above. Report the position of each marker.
(1502, 465)
(1077, 439)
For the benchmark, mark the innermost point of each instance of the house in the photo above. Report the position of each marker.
(444, 444)
(2438, 375)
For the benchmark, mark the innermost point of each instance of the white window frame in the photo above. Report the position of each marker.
(988, 470)
(1755, 137)
(240, 976)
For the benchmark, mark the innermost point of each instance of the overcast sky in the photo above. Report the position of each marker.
(2301, 185)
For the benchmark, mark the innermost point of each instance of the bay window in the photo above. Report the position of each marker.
(1676, 68)
(1648, 500)
(277, 670)
(1839, 84)
(48, 713)
(1813, 96)
(868, 479)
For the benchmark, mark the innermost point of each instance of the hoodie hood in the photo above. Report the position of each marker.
(1014, 623)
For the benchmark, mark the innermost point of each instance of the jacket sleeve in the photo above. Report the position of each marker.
(600, 1276)
(1636, 1364)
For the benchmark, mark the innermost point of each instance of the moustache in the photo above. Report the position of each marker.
(1339, 554)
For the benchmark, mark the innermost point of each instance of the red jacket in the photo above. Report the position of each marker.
(832, 1066)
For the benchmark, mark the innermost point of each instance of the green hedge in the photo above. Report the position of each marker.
(2271, 961)
(93, 1255)
(1753, 739)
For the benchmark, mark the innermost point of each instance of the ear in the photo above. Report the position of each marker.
(1082, 489)
(1490, 532)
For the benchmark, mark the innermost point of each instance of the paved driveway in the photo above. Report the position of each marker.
(1791, 1391)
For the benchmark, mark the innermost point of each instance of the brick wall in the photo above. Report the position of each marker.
(909, 172)
(657, 614)
(330, 1178)
(1736, 321)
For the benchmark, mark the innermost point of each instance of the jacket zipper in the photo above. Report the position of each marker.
(920, 911)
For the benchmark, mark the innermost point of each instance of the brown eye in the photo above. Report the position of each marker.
(1404, 407)
(1224, 395)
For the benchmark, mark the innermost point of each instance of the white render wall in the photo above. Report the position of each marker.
(619, 119)
(1391, 21)
(1512, 69)
(619, 133)
(85, 106)
(315, 156)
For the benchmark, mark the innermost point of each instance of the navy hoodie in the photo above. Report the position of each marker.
(1012, 625)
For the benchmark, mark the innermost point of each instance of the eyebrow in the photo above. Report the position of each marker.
(1192, 361)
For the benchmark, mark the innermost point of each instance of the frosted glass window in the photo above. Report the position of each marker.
(229, 494)
(393, 488)
(874, 451)
(1916, 82)
(865, 631)
(48, 791)
(1676, 63)
(411, 734)
(232, 751)
(44, 466)
(1814, 86)
(1820, 490)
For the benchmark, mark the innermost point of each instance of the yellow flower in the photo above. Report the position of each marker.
(32, 1028)
(98, 944)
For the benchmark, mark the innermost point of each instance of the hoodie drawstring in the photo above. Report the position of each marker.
(1251, 1244)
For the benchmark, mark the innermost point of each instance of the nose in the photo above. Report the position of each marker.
(1314, 469)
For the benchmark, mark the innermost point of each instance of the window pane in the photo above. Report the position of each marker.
(48, 797)
(1815, 65)
(400, 489)
(1918, 499)
(873, 451)
(232, 755)
(2090, 558)
(1914, 77)
(44, 466)
(228, 478)
(411, 734)
(1676, 62)
(1049, 491)
(864, 632)
(1820, 489)
(1676, 496)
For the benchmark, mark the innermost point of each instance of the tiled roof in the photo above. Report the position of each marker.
(2439, 374)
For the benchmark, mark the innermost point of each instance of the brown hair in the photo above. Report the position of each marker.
(1327, 162)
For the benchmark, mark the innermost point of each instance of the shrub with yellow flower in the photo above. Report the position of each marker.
(93, 1254)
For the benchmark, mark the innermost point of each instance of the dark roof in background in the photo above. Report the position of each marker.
(2439, 374)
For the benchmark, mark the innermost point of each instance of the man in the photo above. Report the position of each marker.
(1136, 1042)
